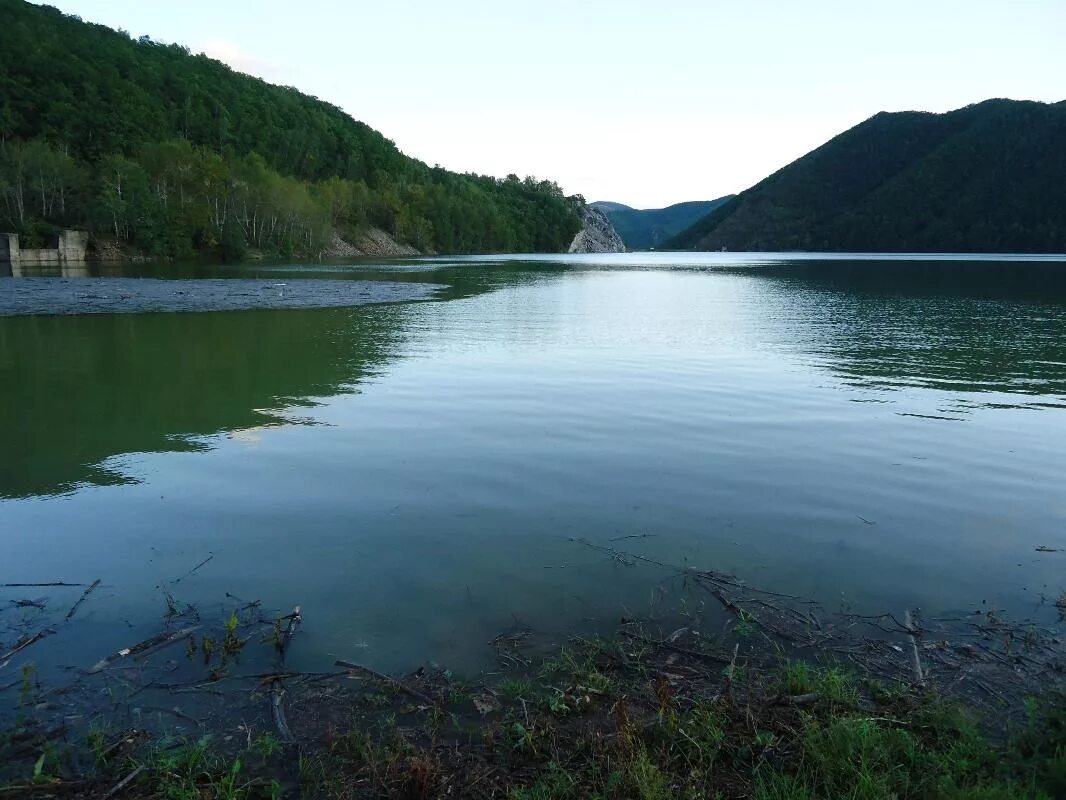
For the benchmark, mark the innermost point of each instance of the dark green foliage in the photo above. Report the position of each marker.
(647, 229)
(986, 178)
(172, 152)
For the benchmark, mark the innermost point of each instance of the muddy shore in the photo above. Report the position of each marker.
(65, 296)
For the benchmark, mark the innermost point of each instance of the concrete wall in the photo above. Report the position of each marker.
(68, 247)
(9, 248)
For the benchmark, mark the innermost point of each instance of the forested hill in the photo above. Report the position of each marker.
(173, 153)
(648, 228)
(986, 178)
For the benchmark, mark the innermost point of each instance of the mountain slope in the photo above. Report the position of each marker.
(646, 229)
(985, 178)
(123, 129)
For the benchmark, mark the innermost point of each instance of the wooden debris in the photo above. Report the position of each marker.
(144, 648)
(22, 645)
(386, 679)
(673, 648)
(194, 569)
(290, 630)
(122, 784)
(277, 688)
(916, 659)
(40, 585)
(85, 594)
(277, 712)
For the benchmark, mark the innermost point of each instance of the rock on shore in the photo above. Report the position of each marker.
(598, 235)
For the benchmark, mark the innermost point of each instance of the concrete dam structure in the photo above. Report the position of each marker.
(68, 248)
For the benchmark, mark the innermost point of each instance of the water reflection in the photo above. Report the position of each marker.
(961, 327)
(80, 390)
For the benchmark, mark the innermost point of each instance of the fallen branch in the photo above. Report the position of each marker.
(194, 569)
(916, 659)
(145, 647)
(277, 712)
(122, 784)
(290, 630)
(77, 605)
(277, 688)
(39, 585)
(673, 648)
(348, 665)
(22, 645)
(38, 604)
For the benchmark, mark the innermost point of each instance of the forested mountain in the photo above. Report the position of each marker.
(647, 229)
(173, 153)
(986, 178)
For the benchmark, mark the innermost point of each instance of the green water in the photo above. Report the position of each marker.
(878, 433)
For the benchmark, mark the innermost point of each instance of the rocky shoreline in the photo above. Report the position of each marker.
(597, 234)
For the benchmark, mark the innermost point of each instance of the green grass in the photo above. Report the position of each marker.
(638, 732)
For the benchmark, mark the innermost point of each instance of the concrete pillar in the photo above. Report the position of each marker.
(9, 248)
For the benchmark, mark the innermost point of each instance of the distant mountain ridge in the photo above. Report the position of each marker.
(989, 177)
(646, 229)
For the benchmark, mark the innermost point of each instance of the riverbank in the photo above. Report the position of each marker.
(755, 694)
(60, 296)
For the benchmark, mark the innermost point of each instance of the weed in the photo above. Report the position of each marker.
(553, 784)
(648, 779)
(796, 678)
(267, 745)
(516, 689)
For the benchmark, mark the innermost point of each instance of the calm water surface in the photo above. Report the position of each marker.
(881, 433)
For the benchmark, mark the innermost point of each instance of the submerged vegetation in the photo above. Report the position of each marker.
(170, 153)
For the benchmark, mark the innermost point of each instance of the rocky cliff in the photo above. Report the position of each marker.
(373, 242)
(598, 234)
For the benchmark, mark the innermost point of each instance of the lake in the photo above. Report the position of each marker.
(878, 433)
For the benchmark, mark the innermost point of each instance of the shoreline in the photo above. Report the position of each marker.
(70, 296)
(740, 700)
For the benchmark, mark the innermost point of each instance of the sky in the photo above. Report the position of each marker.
(643, 103)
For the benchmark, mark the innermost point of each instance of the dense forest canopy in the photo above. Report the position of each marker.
(986, 178)
(173, 153)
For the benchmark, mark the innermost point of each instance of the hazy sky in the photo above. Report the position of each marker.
(645, 103)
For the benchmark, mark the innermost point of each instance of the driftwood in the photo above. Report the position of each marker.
(673, 648)
(290, 630)
(122, 784)
(22, 645)
(144, 648)
(277, 712)
(85, 594)
(277, 688)
(403, 687)
(916, 658)
(194, 569)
